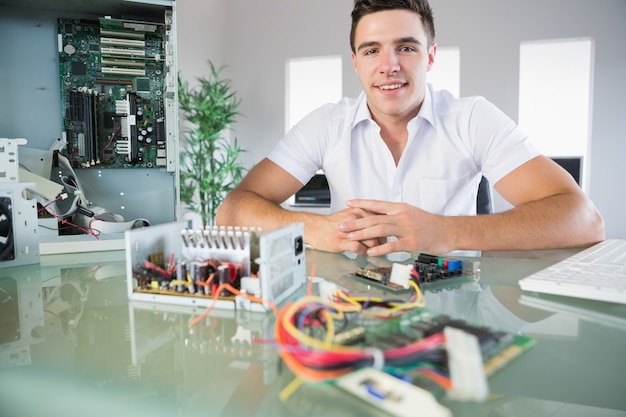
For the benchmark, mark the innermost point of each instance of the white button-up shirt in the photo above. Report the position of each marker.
(451, 144)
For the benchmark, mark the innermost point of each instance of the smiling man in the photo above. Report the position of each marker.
(403, 161)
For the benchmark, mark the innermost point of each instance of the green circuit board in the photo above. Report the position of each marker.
(498, 348)
(112, 77)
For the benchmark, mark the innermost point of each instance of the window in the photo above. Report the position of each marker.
(555, 95)
(446, 71)
(311, 82)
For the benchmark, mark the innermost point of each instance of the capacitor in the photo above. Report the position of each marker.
(223, 275)
(181, 275)
(200, 274)
(181, 270)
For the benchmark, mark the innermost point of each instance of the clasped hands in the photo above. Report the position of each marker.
(365, 226)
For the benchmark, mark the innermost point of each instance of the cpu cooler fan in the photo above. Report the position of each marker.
(19, 241)
(7, 244)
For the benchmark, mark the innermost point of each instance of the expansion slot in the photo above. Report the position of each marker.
(122, 52)
(139, 26)
(124, 62)
(124, 71)
(115, 81)
(123, 42)
(114, 33)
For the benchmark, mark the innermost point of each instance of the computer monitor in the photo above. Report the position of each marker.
(314, 193)
(573, 165)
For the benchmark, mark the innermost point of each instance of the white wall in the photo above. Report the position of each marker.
(255, 38)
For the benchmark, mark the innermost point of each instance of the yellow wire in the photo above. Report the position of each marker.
(353, 306)
(330, 329)
(303, 337)
(419, 302)
(286, 392)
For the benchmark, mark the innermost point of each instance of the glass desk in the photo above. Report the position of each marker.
(71, 344)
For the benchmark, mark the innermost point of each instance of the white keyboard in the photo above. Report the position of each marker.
(596, 273)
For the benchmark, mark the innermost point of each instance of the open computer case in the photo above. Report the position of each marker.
(94, 84)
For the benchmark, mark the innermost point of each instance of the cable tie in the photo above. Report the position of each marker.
(378, 356)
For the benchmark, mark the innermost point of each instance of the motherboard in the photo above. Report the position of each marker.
(113, 92)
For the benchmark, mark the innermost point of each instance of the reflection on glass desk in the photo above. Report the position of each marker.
(72, 345)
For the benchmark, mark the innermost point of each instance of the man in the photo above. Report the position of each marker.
(403, 161)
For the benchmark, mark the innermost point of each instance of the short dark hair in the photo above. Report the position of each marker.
(421, 7)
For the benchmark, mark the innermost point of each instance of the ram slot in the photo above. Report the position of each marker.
(82, 111)
(90, 139)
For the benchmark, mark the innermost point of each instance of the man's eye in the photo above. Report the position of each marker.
(407, 49)
(370, 52)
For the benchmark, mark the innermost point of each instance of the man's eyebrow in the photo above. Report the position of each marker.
(367, 45)
(406, 39)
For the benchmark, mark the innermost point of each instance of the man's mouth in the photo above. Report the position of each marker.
(391, 86)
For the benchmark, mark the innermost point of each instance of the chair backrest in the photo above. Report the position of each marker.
(483, 199)
(317, 192)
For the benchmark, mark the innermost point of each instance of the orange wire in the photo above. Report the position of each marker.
(296, 367)
(439, 379)
(235, 291)
(310, 283)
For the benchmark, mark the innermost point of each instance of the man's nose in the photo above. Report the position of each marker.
(390, 63)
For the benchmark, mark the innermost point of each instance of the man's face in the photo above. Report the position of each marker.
(392, 58)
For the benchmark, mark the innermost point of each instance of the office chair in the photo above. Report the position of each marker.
(483, 199)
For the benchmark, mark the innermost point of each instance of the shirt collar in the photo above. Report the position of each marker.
(427, 110)
(362, 112)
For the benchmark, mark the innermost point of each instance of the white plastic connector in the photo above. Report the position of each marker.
(251, 286)
(393, 395)
(400, 274)
(327, 289)
(471, 266)
(469, 381)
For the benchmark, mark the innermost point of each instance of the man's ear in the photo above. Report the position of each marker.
(432, 52)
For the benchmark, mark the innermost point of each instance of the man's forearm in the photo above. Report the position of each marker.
(248, 209)
(245, 208)
(558, 221)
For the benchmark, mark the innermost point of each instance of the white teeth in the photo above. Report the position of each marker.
(390, 87)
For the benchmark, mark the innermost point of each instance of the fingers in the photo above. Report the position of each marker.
(382, 249)
(372, 206)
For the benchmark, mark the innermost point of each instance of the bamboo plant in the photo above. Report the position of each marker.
(209, 164)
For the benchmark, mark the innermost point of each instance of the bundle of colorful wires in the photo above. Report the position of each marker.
(305, 332)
